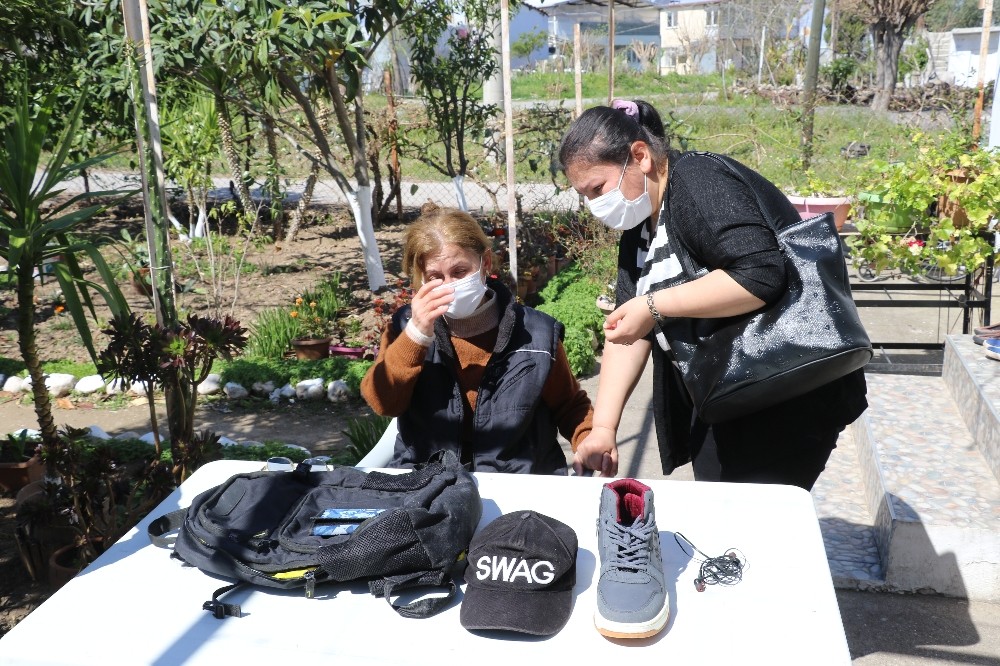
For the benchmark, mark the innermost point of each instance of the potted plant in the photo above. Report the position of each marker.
(931, 213)
(312, 341)
(20, 464)
(351, 344)
(106, 487)
(817, 196)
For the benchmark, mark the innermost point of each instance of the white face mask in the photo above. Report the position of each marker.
(617, 212)
(469, 292)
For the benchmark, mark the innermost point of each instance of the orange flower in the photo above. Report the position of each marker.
(59, 309)
(298, 301)
(293, 314)
(313, 305)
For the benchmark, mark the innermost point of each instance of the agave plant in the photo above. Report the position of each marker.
(35, 225)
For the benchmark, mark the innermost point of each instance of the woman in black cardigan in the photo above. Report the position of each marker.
(619, 159)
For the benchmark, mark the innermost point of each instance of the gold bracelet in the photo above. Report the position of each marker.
(657, 317)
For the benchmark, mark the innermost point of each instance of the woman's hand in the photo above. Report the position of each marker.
(427, 305)
(629, 323)
(597, 452)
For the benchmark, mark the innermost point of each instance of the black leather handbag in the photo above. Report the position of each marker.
(813, 335)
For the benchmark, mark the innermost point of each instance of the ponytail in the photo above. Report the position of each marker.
(604, 134)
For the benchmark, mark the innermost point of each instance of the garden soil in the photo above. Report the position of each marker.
(281, 271)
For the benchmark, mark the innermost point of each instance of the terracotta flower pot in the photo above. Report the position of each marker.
(949, 208)
(16, 475)
(812, 206)
(68, 561)
(311, 349)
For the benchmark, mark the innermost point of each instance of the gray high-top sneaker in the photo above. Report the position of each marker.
(631, 595)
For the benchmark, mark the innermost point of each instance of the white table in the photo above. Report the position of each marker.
(135, 605)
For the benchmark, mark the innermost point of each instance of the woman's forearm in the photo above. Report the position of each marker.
(713, 295)
(621, 367)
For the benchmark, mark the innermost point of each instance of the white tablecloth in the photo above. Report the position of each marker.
(136, 605)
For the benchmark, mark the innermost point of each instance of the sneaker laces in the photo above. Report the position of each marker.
(631, 544)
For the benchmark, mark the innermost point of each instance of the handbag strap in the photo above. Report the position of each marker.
(683, 255)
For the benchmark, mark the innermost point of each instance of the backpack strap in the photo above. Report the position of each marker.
(221, 610)
(166, 523)
(421, 608)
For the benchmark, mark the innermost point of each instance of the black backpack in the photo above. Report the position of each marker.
(302, 528)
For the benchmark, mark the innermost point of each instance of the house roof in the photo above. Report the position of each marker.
(597, 10)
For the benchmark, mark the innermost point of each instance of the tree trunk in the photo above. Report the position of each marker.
(300, 210)
(888, 44)
(360, 200)
(273, 187)
(29, 351)
(232, 156)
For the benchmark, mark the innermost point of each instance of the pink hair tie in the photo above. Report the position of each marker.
(631, 109)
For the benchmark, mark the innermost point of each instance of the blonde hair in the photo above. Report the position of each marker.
(435, 228)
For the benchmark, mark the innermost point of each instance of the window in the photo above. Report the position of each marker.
(712, 16)
(671, 19)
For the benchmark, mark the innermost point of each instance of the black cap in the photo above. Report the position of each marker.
(522, 568)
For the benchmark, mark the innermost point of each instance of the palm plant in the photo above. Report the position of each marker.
(35, 225)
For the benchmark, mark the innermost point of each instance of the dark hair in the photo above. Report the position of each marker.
(602, 134)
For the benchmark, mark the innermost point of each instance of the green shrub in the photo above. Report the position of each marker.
(576, 307)
(579, 351)
(570, 297)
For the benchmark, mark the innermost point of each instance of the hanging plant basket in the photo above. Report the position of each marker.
(311, 349)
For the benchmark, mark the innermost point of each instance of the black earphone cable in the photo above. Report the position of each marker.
(722, 570)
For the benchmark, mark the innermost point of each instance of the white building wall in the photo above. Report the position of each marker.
(963, 60)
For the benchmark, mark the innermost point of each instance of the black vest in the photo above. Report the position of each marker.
(513, 429)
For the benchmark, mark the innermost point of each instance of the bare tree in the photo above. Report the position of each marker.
(645, 54)
(744, 22)
(890, 21)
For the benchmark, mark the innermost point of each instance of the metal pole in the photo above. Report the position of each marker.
(984, 49)
(508, 125)
(611, 51)
(812, 70)
(577, 69)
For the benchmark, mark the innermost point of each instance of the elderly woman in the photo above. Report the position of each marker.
(466, 368)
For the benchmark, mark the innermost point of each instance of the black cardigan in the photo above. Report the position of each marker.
(717, 219)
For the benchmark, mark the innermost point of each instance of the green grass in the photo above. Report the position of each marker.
(628, 84)
(751, 129)
(78, 370)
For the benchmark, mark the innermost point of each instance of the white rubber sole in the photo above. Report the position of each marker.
(651, 627)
